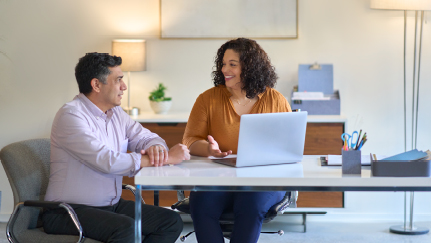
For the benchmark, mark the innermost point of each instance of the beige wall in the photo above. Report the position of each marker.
(43, 40)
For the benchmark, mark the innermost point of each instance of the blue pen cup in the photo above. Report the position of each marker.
(351, 161)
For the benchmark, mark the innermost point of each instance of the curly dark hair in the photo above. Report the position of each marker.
(257, 73)
(94, 65)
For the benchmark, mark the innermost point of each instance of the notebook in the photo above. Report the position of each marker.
(269, 139)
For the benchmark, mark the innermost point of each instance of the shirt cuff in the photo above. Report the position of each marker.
(137, 163)
(156, 141)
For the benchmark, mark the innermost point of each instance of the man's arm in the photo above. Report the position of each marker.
(142, 139)
(71, 132)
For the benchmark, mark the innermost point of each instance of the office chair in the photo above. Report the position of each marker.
(227, 218)
(26, 164)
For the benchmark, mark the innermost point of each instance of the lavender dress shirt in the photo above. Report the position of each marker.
(89, 153)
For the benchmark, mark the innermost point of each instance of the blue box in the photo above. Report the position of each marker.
(317, 80)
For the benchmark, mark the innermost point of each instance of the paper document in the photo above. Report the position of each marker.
(409, 155)
(309, 96)
(365, 159)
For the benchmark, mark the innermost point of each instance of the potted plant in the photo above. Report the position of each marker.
(158, 102)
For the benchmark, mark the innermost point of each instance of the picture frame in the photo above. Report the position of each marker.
(209, 19)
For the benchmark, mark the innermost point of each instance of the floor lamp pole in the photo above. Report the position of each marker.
(403, 229)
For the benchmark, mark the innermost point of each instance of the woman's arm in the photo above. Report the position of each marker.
(207, 148)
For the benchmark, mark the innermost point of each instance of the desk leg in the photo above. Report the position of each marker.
(138, 214)
(304, 221)
(411, 229)
(156, 198)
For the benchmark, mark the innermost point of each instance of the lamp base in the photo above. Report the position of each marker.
(400, 229)
(133, 111)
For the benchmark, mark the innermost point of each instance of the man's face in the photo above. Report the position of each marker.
(112, 92)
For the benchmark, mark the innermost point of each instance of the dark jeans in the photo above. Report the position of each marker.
(116, 223)
(249, 209)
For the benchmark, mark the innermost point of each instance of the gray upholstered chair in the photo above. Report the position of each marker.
(26, 164)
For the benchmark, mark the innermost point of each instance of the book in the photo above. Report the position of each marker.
(409, 155)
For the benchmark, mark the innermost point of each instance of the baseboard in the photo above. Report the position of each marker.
(366, 217)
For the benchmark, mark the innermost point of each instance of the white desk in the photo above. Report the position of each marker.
(202, 174)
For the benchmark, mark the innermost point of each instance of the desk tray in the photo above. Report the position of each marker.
(319, 107)
(401, 168)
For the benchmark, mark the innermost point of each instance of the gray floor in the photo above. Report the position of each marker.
(321, 232)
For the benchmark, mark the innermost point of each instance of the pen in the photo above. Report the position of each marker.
(362, 143)
(357, 141)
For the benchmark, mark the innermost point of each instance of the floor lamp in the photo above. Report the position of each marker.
(418, 6)
(132, 52)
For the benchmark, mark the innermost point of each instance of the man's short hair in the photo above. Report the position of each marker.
(94, 65)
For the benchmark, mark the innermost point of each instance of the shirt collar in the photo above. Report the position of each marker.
(96, 111)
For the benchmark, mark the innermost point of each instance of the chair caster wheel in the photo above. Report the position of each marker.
(183, 238)
(280, 232)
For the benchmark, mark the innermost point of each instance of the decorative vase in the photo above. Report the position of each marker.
(161, 107)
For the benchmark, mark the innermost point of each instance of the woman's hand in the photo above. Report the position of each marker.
(178, 153)
(157, 155)
(214, 150)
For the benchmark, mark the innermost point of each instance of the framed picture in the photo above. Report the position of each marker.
(266, 19)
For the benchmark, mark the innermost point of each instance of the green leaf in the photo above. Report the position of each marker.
(158, 94)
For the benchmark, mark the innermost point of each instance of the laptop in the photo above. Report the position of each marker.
(269, 139)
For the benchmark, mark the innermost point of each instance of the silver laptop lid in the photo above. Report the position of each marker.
(271, 138)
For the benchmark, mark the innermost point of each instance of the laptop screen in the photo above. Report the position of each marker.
(271, 138)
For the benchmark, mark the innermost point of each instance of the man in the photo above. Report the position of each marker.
(89, 141)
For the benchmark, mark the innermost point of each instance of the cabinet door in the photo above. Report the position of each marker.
(320, 139)
(172, 133)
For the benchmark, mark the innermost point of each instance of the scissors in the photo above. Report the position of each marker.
(347, 137)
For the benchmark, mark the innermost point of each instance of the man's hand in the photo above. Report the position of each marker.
(214, 150)
(178, 153)
(157, 155)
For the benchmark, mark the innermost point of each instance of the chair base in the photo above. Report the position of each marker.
(400, 229)
(228, 234)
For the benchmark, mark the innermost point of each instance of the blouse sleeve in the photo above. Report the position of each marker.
(197, 125)
(285, 106)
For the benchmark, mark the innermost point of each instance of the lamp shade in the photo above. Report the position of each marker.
(401, 4)
(132, 52)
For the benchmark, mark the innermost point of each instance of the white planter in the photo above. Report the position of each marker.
(161, 107)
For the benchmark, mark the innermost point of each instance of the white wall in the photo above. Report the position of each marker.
(43, 40)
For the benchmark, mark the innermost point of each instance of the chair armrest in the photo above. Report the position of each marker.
(128, 187)
(180, 195)
(293, 199)
(279, 207)
(182, 206)
(132, 189)
(42, 204)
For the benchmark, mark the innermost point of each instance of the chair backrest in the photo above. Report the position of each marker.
(26, 164)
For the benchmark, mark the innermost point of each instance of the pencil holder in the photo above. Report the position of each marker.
(351, 161)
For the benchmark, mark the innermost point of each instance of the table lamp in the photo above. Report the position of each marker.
(418, 6)
(132, 52)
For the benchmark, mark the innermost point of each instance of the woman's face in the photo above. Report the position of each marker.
(231, 69)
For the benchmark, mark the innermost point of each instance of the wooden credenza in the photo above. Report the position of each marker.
(322, 138)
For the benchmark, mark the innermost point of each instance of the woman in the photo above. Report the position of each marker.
(244, 79)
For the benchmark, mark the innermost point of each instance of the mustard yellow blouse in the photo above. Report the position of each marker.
(214, 114)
